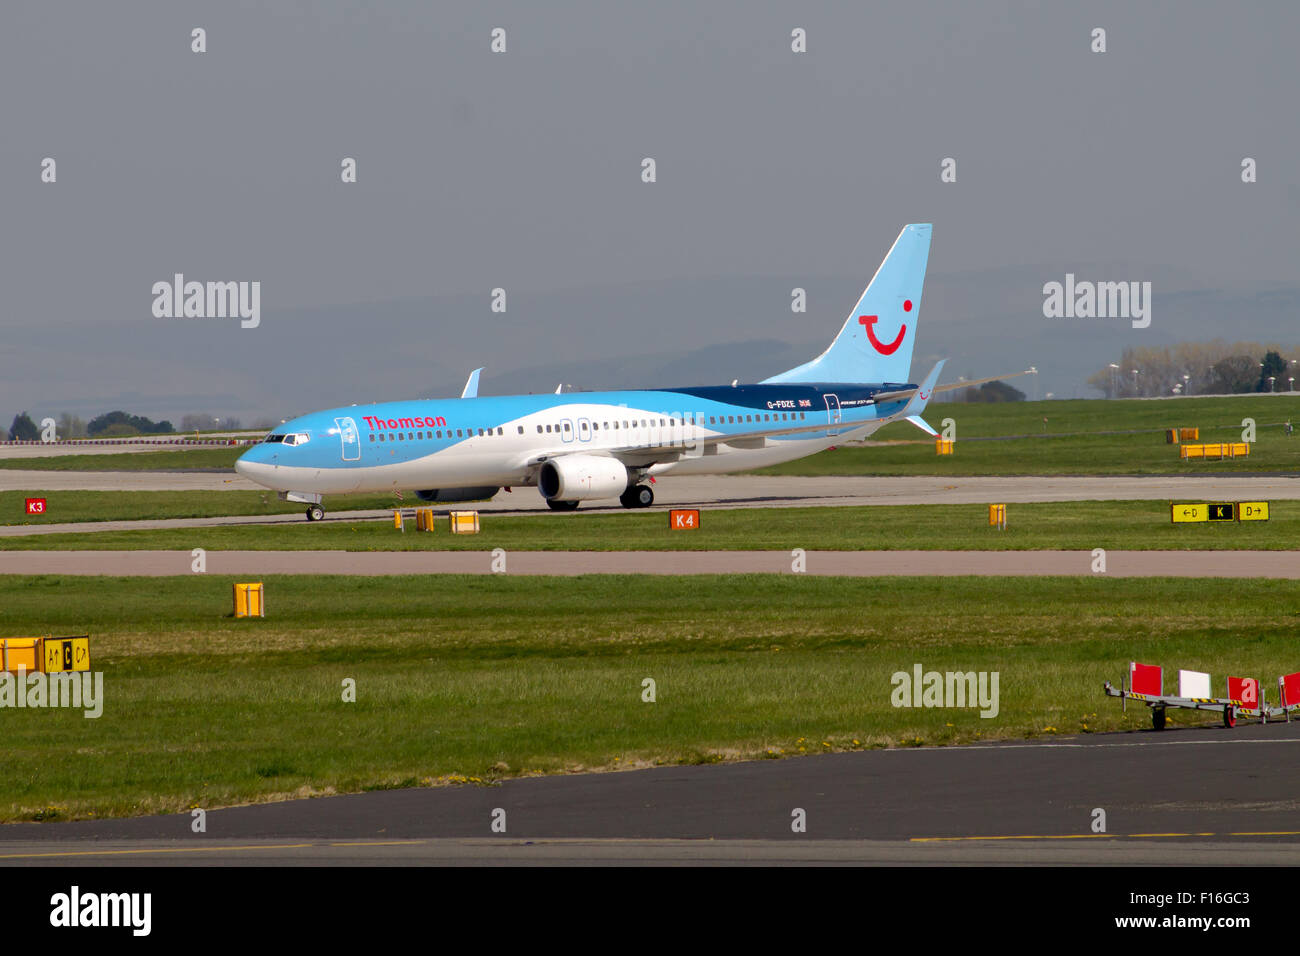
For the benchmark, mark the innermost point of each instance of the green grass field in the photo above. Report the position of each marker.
(1074, 440)
(1140, 525)
(481, 678)
(184, 459)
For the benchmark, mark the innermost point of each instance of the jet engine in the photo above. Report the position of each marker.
(581, 477)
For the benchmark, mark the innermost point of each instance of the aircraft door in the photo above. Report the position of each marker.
(833, 409)
(350, 439)
(584, 429)
(566, 430)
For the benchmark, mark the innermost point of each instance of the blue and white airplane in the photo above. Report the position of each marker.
(592, 445)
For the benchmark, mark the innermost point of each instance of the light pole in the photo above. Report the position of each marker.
(1187, 385)
(1135, 383)
(1114, 380)
(1271, 380)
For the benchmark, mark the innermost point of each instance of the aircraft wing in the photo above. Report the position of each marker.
(646, 454)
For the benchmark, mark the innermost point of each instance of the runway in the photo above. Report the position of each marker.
(1201, 795)
(756, 491)
(1119, 564)
(718, 492)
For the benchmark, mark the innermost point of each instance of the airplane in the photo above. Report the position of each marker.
(586, 446)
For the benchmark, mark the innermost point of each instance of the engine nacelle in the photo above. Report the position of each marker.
(457, 494)
(582, 477)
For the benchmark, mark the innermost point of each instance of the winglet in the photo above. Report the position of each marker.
(471, 384)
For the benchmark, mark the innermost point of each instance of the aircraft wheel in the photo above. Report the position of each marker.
(561, 505)
(628, 498)
(1230, 716)
(315, 513)
(1158, 718)
(643, 496)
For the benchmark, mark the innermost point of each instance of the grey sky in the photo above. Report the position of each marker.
(522, 171)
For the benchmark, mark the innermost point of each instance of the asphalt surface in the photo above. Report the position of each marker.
(1119, 564)
(756, 490)
(718, 492)
(1200, 794)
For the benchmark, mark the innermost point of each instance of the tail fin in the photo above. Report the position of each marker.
(875, 344)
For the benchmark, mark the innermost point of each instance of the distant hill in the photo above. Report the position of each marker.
(672, 332)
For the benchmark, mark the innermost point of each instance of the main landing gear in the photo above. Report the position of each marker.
(315, 513)
(638, 496)
(561, 505)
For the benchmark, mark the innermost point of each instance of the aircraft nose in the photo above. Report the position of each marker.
(256, 464)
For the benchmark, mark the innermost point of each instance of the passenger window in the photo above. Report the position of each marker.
(411, 435)
(548, 428)
(381, 437)
(440, 434)
(521, 429)
(539, 429)
(566, 426)
(460, 433)
(502, 431)
(372, 437)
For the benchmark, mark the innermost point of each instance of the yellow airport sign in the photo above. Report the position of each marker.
(66, 654)
(1252, 511)
(250, 600)
(1219, 511)
(1183, 513)
(464, 522)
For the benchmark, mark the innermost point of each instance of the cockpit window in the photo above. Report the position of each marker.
(293, 438)
(275, 438)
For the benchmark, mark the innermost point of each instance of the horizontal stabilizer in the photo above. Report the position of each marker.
(922, 424)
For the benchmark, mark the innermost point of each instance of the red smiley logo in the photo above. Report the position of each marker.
(868, 321)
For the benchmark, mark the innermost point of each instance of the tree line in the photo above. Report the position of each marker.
(1198, 368)
(120, 424)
